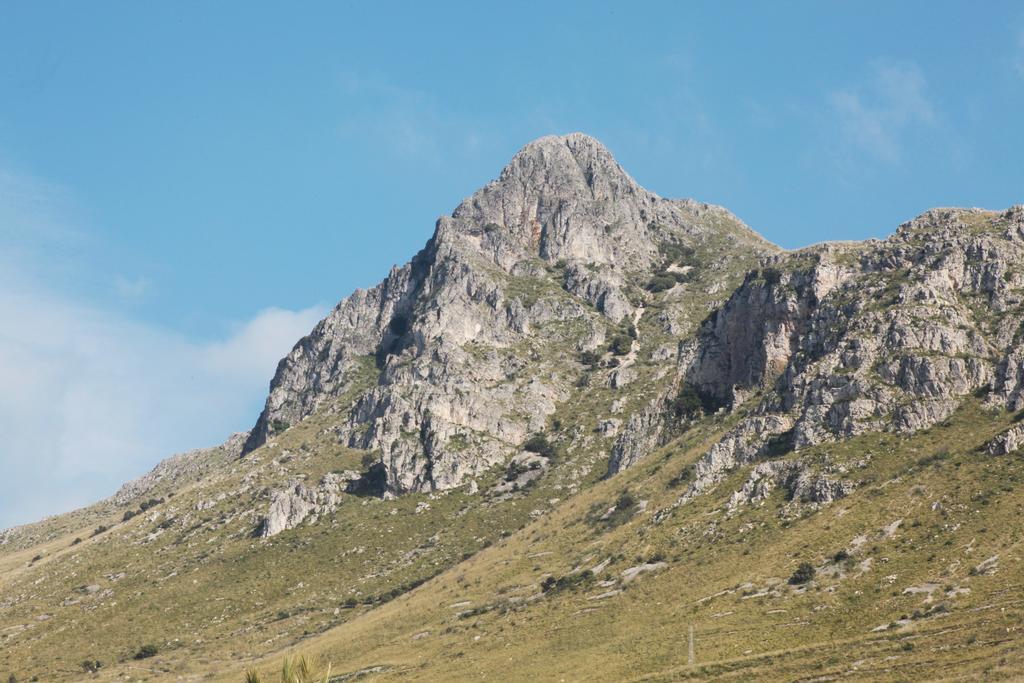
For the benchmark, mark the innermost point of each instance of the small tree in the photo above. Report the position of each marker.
(661, 282)
(620, 344)
(539, 444)
(804, 573)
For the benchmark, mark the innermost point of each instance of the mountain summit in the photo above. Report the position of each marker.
(587, 424)
(452, 331)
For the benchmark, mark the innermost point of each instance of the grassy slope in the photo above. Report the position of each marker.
(726, 576)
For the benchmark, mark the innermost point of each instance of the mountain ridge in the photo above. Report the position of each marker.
(585, 409)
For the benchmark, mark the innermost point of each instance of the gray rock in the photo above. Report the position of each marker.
(1010, 441)
(538, 259)
(884, 335)
(641, 435)
(609, 427)
(297, 503)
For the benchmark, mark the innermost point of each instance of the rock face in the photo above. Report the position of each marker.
(474, 343)
(474, 340)
(839, 340)
(1010, 441)
(297, 503)
(641, 435)
(801, 484)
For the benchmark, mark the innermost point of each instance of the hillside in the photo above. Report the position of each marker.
(582, 420)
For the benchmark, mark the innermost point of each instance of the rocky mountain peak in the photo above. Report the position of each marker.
(554, 256)
(575, 156)
(567, 198)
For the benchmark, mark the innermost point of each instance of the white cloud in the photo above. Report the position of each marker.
(873, 118)
(90, 399)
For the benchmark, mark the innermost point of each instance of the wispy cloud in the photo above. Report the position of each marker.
(873, 118)
(33, 210)
(92, 397)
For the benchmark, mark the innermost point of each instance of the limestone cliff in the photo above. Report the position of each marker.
(553, 249)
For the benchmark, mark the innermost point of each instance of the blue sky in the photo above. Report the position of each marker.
(186, 187)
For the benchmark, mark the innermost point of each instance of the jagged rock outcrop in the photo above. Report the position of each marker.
(890, 335)
(473, 343)
(603, 288)
(474, 340)
(1010, 441)
(801, 482)
(641, 435)
(750, 439)
(298, 503)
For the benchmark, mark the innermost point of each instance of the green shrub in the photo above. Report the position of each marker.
(539, 444)
(568, 582)
(590, 358)
(691, 403)
(295, 670)
(804, 573)
(620, 344)
(625, 507)
(771, 276)
(684, 476)
(661, 282)
(146, 651)
(677, 254)
(99, 530)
